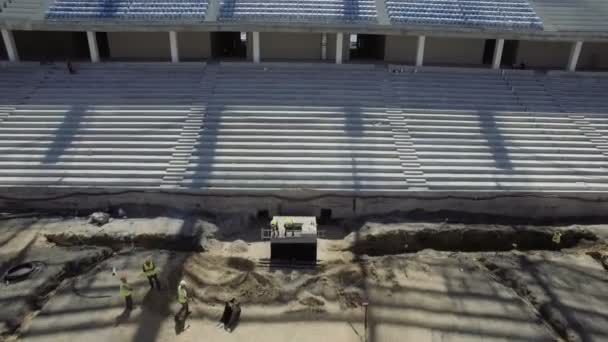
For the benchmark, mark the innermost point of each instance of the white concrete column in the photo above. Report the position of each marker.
(575, 52)
(420, 51)
(324, 46)
(256, 47)
(174, 46)
(339, 45)
(9, 43)
(500, 43)
(93, 50)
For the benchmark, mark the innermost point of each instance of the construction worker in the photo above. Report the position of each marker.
(274, 227)
(151, 272)
(126, 291)
(182, 297)
(288, 225)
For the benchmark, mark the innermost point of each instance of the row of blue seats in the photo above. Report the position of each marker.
(483, 23)
(127, 15)
(146, 8)
(134, 9)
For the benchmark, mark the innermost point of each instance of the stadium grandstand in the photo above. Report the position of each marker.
(490, 106)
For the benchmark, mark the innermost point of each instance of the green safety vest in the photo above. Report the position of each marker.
(125, 290)
(150, 269)
(182, 295)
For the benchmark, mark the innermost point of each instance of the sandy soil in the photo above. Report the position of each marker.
(424, 296)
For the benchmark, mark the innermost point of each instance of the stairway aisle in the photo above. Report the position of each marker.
(474, 131)
(110, 126)
(403, 139)
(296, 127)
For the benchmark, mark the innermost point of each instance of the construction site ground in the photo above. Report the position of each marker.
(417, 280)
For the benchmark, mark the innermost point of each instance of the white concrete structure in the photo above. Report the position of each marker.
(93, 50)
(174, 46)
(256, 47)
(324, 46)
(575, 53)
(500, 43)
(339, 46)
(420, 51)
(9, 43)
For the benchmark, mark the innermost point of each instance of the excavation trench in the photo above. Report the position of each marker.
(398, 241)
(116, 242)
(50, 282)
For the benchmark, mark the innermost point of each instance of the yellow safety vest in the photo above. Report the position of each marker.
(149, 269)
(273, 223)
(125, 290)
(182, 295)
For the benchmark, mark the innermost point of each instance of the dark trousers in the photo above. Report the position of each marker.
(185, 308)
(129, 303)
(152, 280)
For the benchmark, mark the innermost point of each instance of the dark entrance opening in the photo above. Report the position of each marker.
(3, 53)
(488, 51)
(103, 45)
(49, 46)
(229, 45)
(325, 216)
(509, 52)
(263, 215)
(366, 47)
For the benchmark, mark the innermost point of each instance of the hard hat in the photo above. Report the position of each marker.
(182, 283)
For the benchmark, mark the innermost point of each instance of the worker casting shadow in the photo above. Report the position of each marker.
(180, 322)
(123, 317)
(231, 316)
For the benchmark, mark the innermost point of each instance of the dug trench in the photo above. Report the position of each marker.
(29, 294)
(375, 242)
(379, 263)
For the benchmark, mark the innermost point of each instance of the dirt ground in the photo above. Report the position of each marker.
(374, 281)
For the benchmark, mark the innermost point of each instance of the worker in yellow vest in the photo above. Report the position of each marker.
(288, 225)
(126, 291)
(274, 227)
(151, 272)
(182, 298)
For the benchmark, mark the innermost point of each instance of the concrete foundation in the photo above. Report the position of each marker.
(194, 46)
(453, 51)
(290, 46)
(151, 46)
(540, 205)
(544, 55)
(594, 56)
(400, 49)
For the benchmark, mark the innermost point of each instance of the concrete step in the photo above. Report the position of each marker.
(294, 184)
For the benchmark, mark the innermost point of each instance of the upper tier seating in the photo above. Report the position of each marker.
(501, 13)
(302, 10)
(127, 9)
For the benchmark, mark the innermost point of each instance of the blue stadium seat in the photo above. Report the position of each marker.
(298, 10)
(493, 13)
(127, 9)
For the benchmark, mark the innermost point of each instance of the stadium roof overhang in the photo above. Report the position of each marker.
(242, 26)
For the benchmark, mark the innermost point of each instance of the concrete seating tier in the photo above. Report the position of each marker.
(479, 132)
(351, 128)
(303, 10)
(510, 13)
(283, 127)
(127, 9)
(107, 126)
